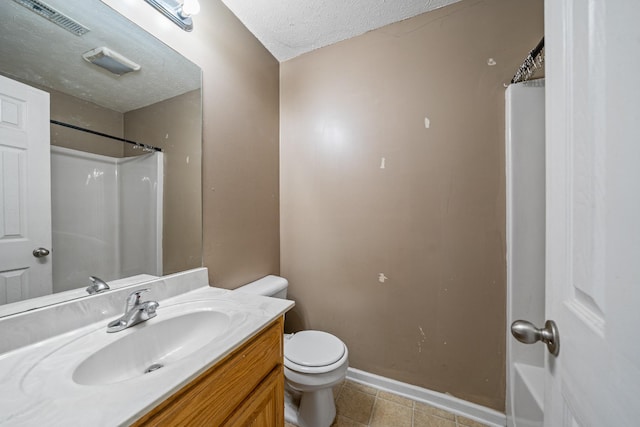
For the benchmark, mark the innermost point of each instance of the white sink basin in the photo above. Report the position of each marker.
(152, 347)
(180, 335)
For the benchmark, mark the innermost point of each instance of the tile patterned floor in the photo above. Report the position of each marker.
(358, 405)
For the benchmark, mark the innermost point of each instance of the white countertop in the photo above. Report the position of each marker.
(37, 388)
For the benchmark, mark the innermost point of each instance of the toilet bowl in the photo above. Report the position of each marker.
(314, 362)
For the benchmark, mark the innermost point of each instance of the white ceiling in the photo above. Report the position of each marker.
(288, 28)
(35, 50)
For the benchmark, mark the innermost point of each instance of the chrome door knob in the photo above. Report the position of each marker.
(527, 333)
(40, 252)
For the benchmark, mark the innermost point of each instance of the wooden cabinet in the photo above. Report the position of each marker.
(244, 389)
(265, 406)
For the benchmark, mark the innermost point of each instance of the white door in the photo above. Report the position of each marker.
(593, 211)
(25, 192)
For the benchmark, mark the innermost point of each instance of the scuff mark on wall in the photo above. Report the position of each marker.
(422, 340)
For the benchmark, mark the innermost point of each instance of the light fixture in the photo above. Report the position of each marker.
(178, 11)
(190, 8)
(110, 60)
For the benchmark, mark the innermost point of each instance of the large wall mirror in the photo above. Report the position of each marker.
(124, 152)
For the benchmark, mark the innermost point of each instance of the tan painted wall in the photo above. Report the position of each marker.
(240, 139)
(241, 160)
(69, 109)
(432, 221)
(175, 125)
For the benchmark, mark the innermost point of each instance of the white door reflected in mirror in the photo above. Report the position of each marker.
(25, 193)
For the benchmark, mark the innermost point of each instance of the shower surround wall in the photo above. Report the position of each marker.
(106, 217)
(393, 193)
(525, 173)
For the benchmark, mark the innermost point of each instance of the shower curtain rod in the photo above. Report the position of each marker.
(145, 147)
(531, 63)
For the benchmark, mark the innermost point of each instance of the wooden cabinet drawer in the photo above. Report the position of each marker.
(211, 398)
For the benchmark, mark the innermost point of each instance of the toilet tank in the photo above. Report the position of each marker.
(269, 286)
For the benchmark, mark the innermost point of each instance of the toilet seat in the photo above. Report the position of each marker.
(314, 352)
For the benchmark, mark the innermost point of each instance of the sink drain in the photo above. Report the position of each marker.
(153, 367)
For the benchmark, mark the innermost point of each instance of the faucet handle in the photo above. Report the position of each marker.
(152, 306)
(149, 308)
(134, 299)
(97, 285)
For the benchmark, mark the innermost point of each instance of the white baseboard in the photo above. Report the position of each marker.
(449, 403)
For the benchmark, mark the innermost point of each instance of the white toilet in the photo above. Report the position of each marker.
(314, 362)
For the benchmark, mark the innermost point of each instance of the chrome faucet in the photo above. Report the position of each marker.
(97, 285)
(134, 312)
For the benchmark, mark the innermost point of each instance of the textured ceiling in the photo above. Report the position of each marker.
(288, 28)
(38, 51)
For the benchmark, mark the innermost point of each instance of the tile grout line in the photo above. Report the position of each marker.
(375, 402)
(413, 413)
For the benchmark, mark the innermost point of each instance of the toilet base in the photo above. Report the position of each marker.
(291, 405)
(317, 408)
(309, 409)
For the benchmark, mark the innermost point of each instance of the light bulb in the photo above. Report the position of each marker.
(190, 7)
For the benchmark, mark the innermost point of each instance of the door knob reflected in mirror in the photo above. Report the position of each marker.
(526, 332)
(40, 252)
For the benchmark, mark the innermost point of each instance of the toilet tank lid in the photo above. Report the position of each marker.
(268, 285)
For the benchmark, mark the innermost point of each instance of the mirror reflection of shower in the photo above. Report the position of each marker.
(156, 104)
(106, 216)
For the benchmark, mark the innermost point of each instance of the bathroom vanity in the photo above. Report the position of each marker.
(210, 357)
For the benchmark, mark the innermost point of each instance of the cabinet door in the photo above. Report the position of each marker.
(265, 406)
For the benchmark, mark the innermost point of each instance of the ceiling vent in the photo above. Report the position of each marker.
(54, 16)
